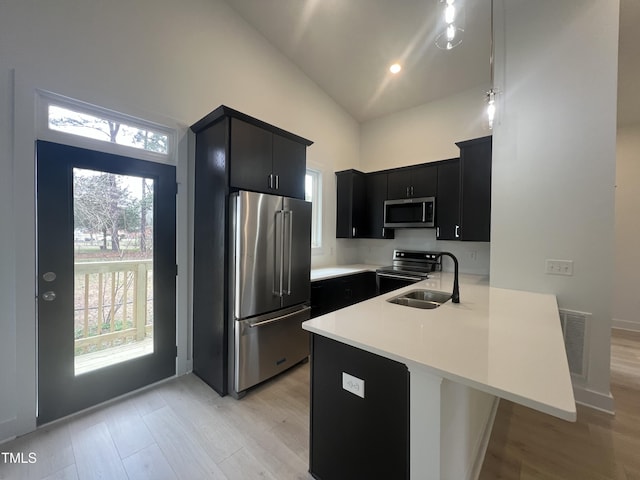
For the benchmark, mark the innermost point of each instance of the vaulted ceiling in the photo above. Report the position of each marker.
(346, 47)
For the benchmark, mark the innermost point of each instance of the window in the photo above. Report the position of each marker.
(79, 123)
(89, 126)
(313, 194)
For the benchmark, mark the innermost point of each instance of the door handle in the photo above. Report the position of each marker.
(278, 255)
(278, 319)
(281, 290)
(395, 276)
(49, 296)
(290, 247)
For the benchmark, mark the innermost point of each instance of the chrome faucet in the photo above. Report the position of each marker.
(455, 296)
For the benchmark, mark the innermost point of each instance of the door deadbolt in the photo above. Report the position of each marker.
(49, 277)
(49, 296)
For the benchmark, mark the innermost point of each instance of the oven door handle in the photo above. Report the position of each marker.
(400, 277)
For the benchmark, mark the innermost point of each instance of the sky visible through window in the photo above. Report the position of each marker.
(85, 125)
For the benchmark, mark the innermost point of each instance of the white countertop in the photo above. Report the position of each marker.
(505, 342)
(324, 273)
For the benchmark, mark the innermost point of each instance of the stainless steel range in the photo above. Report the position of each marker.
(407, 267)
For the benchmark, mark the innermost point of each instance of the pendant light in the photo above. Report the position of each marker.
(453, 21)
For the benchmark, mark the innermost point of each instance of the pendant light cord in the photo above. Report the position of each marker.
(491, 55)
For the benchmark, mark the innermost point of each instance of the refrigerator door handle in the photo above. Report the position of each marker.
(282, 229)
(278, 279)
(290, 212)
(278, 319)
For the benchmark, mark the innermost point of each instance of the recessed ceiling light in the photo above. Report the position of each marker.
(395, 68)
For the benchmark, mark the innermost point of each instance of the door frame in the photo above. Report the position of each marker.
(62, 392)
(25, 90)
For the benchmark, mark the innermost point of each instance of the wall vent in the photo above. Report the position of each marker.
(575, 330)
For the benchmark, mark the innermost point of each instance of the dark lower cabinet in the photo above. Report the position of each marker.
(355, 436)
(335, 293)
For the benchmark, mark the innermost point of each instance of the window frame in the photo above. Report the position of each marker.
(316, 209)
(45, 99)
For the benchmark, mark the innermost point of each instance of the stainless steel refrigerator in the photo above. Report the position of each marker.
(270, 263)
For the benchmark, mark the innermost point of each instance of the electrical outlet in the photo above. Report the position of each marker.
(559, 267)
(353, 384)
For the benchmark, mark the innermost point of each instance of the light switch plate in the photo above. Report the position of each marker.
(353, 384)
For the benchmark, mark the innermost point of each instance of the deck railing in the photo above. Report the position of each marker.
(113, 303)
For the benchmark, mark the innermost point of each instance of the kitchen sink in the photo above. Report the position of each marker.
(427, 299)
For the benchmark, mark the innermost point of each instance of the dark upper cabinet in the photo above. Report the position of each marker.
(375, 195)
(289, 166)
(421, 181)
(462, 187)
(448, 201)
(360, 205)
(475, 189)
(251, 149)
(350, 203)
(265, 161)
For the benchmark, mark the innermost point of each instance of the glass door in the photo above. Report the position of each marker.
(106, 276)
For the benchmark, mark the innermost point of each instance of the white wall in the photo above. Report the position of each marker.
(423, 134)
(152, 59)
(626, 302)
(554, 161)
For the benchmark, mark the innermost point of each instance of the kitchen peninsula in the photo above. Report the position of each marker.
(458, 358)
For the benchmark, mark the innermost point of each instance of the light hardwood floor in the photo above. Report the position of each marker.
(528, 445)
(180, 429)
(183, 429)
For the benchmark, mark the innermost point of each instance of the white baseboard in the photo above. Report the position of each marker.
(625, 325)
(595, 400)
(484, 441)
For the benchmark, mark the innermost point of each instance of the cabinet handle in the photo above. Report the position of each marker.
(277, 182)
(437, 232)
(270, 180)
(408, 192)
(412, 191)
(457, 231)
(383, 231)
(353, 232)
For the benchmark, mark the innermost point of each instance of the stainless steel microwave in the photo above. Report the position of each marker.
(410, 213)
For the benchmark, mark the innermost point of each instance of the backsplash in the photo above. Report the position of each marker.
(473, 257)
